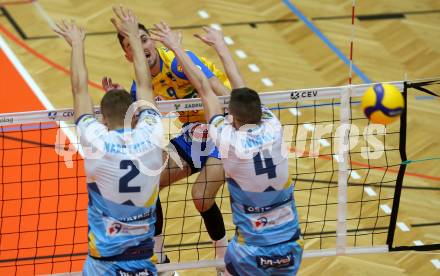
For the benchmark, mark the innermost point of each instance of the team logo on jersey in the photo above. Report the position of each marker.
(219, 121)
(196, 132)
(275, 261)
(150, 120)
(273, 218)
(115, 228)
(171, 76)
(266, 115)
(260, 222)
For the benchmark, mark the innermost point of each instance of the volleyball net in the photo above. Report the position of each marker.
(347, 172)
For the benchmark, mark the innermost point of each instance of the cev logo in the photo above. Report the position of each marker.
(68, 113)
(303, 94)
(52, 115)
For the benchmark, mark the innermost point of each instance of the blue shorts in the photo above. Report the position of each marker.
(144, 267)
(249, 260)
(195, 146)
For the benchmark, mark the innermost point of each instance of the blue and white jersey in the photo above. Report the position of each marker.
(263, 208)
(122, 169)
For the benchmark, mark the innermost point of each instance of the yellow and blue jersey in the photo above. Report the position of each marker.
(171, 83)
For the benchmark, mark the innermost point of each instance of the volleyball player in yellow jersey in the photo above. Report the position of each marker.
(170, 83)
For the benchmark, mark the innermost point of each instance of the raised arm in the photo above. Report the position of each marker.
(75, 36)
(215, 38)
(173, 40)
(127, 25)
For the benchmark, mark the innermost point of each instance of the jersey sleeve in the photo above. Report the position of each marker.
(150, 125)
(177, 69)
(91, 131)
(149, 118)
(217, 127)
(216, 71)
(269, 118)
(133, 91)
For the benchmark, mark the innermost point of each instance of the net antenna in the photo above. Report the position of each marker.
(344, 113)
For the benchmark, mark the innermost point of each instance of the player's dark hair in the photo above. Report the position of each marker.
(140, 26)
(114, 105)
(245, 106)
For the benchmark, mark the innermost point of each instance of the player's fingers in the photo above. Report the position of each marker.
(156, 37)
(123, 11)
(116, 24)
(157, 32)
(206, 29)
(105, 83)
(154, 31)
(202, 38)
(71, 25)
(117, 11)
(66, 27)
(158, 27)
(166, 26)
(198, 36)
(130, 14)
(59, 26)
(61, 33)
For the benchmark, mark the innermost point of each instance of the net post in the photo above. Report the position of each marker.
(401, 174)
(341, 226)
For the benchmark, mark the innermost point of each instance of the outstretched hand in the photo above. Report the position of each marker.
(70, 31)
(108, 84)
(212, 37)
(126, 23)
(164, 34)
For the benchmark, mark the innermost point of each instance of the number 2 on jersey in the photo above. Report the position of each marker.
(264, 166)
(123, 182)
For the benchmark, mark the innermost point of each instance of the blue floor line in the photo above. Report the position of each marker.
(335, 49)
(327, 41)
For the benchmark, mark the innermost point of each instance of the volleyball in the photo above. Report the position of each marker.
(382, 103)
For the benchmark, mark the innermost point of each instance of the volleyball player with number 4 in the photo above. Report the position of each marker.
(267, 240)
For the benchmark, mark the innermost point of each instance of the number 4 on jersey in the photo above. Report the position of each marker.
(264, 166)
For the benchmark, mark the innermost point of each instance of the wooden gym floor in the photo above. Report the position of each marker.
(403, 42)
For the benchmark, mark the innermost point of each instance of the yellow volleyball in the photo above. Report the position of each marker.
(382, 103)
